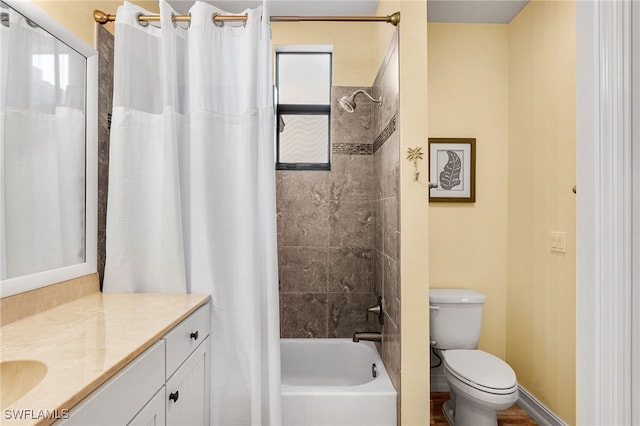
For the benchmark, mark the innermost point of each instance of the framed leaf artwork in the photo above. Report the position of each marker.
(452, 166)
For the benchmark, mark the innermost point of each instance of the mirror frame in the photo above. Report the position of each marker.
(29, 282)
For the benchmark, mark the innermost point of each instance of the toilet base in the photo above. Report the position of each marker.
(461, 415)
(460, 411)
(449, 412)
(473, 407)
(467, 413)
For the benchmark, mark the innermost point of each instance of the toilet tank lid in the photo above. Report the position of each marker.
(455, 295)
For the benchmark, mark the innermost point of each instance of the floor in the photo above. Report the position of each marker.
(512, 416)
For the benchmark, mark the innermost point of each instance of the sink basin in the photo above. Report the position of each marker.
(17, 378)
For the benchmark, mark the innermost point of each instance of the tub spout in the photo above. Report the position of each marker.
(372, 336)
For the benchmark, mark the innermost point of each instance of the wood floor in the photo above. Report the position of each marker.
(512, 416)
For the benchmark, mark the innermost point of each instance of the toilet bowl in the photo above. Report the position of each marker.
(481, 385)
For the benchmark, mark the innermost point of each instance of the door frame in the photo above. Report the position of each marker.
(608, 214)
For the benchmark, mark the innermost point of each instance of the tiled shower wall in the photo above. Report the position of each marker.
(326, 233)
(339, 231)
(386, 169)
(104, 42)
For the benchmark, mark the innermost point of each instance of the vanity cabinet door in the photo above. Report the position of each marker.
(187, 394)
(153, 414)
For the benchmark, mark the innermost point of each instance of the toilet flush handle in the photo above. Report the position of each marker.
(434, 308)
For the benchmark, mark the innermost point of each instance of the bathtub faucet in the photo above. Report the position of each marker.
(372, 336)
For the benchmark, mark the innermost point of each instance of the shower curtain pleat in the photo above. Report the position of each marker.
(192, 190)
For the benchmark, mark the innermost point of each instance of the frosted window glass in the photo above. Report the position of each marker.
(304, 79)
(304, 138)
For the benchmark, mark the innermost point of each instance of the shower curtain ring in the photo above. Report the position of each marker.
(140, 22)
(217, 23)
(218, 19)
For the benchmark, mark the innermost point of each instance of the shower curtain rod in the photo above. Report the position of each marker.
(394, 19)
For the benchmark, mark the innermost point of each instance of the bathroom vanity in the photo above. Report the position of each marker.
(167, 384)
(113, 359)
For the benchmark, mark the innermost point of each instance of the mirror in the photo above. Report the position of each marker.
(48, 102)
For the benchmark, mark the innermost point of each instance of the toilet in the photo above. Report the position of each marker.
(481, 384)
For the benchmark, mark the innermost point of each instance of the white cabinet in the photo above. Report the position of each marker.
(188, 390)
(167, 385)
(154, 413)
(187, 370)
(118, 400)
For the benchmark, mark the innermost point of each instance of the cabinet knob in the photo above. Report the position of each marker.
(174, 396)
(194, 335)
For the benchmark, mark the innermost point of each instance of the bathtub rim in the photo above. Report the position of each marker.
(380, 385)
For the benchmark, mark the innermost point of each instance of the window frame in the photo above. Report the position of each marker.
(302, 109)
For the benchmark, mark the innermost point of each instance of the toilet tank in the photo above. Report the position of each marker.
(455, 317)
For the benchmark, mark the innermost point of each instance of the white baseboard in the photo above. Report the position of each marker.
(537, 410)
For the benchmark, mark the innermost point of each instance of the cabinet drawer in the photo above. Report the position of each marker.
(118, 400)
(186, 337)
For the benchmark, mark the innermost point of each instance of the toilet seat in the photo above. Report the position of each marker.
(481, 370)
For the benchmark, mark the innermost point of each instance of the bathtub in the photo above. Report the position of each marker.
(329, 382)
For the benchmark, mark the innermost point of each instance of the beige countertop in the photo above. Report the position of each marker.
(85, 342)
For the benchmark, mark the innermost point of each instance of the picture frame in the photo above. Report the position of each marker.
(452, 166)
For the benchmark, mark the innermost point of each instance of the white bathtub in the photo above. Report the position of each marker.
(329, 382)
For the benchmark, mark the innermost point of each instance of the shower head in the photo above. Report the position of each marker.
(348, 103)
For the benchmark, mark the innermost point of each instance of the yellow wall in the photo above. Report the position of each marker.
(541, 324)
(414, 267)
(354, 56)
(513, 88)
(468, 97)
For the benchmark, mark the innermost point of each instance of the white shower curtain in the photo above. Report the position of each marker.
(192, 190)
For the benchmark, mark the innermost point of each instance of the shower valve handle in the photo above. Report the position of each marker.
(377, 309)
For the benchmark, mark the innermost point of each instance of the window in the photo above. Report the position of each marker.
(303, 107)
